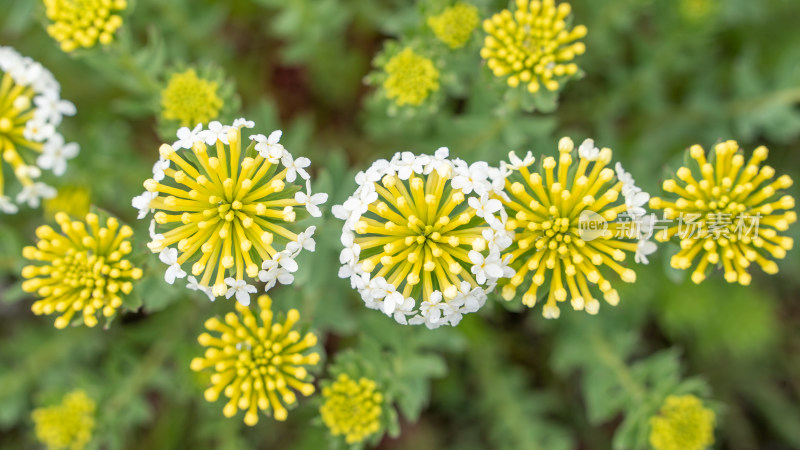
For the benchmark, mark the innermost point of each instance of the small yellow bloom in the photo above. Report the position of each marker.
(258, 364)
(728, 212)
(83, 23)
(72, 200)
(352, 408)
(67, 426)
(698, 10)
(566, 227)
(84, 269)
(190, 100)
(532, 45)
(454, 26)
(410, 79)
(682, 424)
(229, 211)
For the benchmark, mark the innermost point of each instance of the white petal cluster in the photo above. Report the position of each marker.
(48, 111)
(481, 184)
(635, 201)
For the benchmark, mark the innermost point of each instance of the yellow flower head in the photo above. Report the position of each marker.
(532, 45)
(73, 200)
(410, 78)
(257, 364)
(682, 424)
(698, 10)
(570, 219)
(30, 111)
(228, 212)
(82, 23)
(190, 100)
(423, 228)
(455, 25)
(83, 269)
(352, 408)
(67, 426)
(728, 212)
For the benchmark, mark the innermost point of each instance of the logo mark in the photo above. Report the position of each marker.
(591, 225)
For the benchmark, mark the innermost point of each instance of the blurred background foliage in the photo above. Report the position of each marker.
(660, 75)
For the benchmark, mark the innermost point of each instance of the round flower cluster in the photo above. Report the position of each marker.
(352, 408)
(728, 212)
(532, 45)
(682, 424)
(190, 100)
(423, 228)
(410, 78)
(566, 227)
(84, 270)
(67, 426)
(83, 23)
(30, 110)
(454, 25)
(228, 211)
(258, 364)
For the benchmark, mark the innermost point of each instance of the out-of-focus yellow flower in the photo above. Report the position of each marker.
(411, 78)
(727, 212)
(67, 426)
(190, 100)
(72, 200)
(532, 45)
(698, 10)
(258, 364)
(83, 23)
(565, 226)
(352, 408)
(31, 109)
(682, 424)
(83, 269)
(455, 24)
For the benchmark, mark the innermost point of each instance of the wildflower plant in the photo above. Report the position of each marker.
(82, 271)
(31, 109)
(259, 364)
(423, 237)
(534, 46)
(85, 23)
(569, 219)
(683, 423)
(227, 213)
(195, 94)
(455, 25)
(67, 426)
(352, 408)
(728, 213)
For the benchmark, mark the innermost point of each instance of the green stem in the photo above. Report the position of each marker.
(611, 360)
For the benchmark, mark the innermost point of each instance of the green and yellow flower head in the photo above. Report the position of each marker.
(67, 426)
(421, 237)
(570, 219)
(454, 25)
(83, 270)
(410, 78)
(727, 212)
(352, 408)
(83, 23)
(75, 201)
(190, 100)
(533, 45)
(682, 424)
(30, 111)
(228, 212)
(258, 364)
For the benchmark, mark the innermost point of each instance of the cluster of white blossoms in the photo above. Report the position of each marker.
(31, 109)
(423, 237)
(229, 212)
